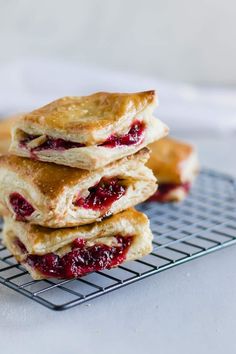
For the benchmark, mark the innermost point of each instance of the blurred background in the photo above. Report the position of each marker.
(184, 40)
(184, 49)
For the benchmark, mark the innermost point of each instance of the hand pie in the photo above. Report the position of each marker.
(88, 132)
(175, 165)
(5, 133)
(59, 196)
(74, 252)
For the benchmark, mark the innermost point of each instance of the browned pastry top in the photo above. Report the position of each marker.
(35, 234)
(50, 178)
(89, 113)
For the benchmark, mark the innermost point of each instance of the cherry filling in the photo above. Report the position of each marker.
(82, 259)
(166, 188)
(102, 195)
(134, 136)
(21, 207)
(21, 246)
(51, 144)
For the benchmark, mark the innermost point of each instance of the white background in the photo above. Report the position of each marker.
(184, 40)
(185, 49)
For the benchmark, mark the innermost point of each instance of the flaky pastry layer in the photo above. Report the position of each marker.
(40, 241)
(87, 157)
(52, 189)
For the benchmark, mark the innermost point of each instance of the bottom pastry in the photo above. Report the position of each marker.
(74, 252)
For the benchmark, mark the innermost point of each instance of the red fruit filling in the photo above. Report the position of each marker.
(103, 194)
(82, 259)
(21, 207)
(134, 136)
(21, 246)
(51, 144)
(164, 189)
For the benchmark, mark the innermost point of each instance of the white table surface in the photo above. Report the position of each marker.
(187, 309)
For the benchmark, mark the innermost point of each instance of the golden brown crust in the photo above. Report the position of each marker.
(50, 179)
(53, 190)
(88, 113)
(37, 232)
(89, 121)
(41, 240)
(167, 158)
(128, 223)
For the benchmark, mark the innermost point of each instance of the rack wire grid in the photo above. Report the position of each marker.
(204, 222)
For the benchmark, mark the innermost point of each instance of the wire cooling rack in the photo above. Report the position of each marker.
(203, 223)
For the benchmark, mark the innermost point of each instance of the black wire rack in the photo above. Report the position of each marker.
(203, 223)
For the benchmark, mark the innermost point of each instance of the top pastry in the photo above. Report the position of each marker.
(88, 132)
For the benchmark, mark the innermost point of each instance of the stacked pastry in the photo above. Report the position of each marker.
(76, 170)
